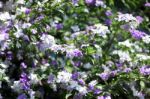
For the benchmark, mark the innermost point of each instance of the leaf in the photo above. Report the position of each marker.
(68, 95)
(142, 84)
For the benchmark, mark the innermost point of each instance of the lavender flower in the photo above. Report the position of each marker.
(137, 34)
(23, 65)
(27, 11)
(24, 80)
(92, 84)
(90, 2)
(108, 13)
(104, 76)
(74, 53)
(147, 4)
(59, 26)
(100, 3)
(77, 63)
(108, 22)
(75, 2)
(81, 81)
(127, 70)
(22, 96)
(103, 97)
(75, 76)
(3, 36)
(97, 91)
(139, 19)
(145, 70)
(51, 78)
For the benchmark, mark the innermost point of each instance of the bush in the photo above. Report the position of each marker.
(79, 49)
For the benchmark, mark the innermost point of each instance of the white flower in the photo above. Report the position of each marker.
(93, 83)
(72, 85)
(33, 78)
(124, 56)
(63, 77)
(125, 17)
(18, 33)
(5, 16)
(32, 94)
(75, 28)
(26, 25)
(100, 29)
(100, 3)
(87, 66)
(126, 43)
(82, 90)
(16, 86)
(20, 2)
(146, 39)
(3, 65)
(47, 41)
(142, 57)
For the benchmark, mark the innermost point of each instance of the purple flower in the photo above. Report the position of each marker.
(50, 78)
(90, 2)
(24, 80)
(27, 11)
(9, 55)
(108, 22)
(3, 36)
(97, 91)
(139, 19)
(119, 65)
(104, 76)
(77, 63)
(108, 13)
(75, 2)
(22, 96)
(147, 4)
(127, 70)
(81, 81)
(75, 76)
(23, 65)
(74, 53)
(59, 26)
(113, 73)
(145, 70)
(137, 34)
(54, 62)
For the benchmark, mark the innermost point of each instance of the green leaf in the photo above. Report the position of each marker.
(68, 95)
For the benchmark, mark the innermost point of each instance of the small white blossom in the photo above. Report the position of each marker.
(75, 28)
(142, 57)
(63, 77)
(146, 39)
(16, 86)
(124, 56)
(100, 29)
(47, 41)
(87, 66)
(126, 43)
(93, 83)
(33, 78)
(5, 16)
(20, 2)
(82, 90)
(125, 17)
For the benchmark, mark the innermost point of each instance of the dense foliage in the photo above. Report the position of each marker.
(75, 49)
